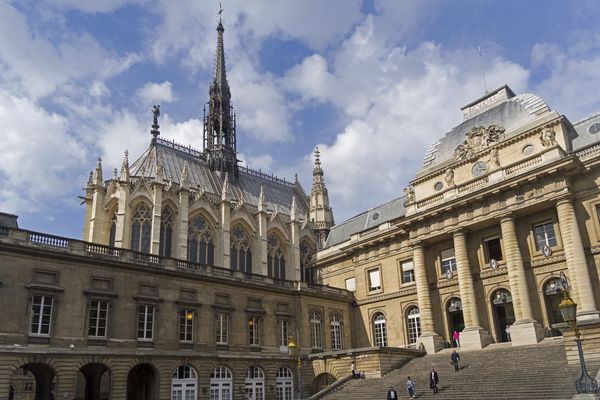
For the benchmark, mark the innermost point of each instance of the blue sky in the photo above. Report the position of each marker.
(373, 83)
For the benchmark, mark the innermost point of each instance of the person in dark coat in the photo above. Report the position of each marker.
(392, 395)
(454, 357)
(433, 380)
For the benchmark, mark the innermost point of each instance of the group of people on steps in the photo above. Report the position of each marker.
(434, 380)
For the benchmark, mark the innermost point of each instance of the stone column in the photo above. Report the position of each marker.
(576, 261)
(182, 224)
(473, 336)
(156, 218)
(123, 218)
(97, 227)
(293, 270)
(525, 330)
(262, 233)
(429, 338)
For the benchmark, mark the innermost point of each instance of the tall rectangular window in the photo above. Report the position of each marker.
(492, 249)
(374, 280)
(254, 331)
(41, 315)
(544, 235)
(448, 260)
(222, 327)
(316, 335)
(186, 325)
(408, 271)
(98, 318)
(284, 329)
(145, 329)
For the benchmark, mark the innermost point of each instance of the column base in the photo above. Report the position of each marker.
(431, 342)
(588, 315)
(526, 332)
(474, 338)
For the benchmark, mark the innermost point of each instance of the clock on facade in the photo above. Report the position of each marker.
(479, 168)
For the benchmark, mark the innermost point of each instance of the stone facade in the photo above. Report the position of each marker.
(506, 201)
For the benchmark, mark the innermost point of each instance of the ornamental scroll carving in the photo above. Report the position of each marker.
(478, 138)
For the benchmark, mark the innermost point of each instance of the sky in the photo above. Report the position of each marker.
(372, 83)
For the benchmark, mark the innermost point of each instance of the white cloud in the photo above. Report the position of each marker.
(397, 102)
(156, 92)
(98, 89)
(263, 162)
(40, 158)
(95, 6)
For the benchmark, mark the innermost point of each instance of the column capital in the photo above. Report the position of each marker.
(566, 199)
(508, 216)
(458, 232)
(416, 244)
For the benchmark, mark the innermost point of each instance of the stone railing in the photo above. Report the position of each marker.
(51, 243)
(588, 151)
(523, 165)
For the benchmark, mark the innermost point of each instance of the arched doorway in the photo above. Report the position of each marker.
(552, 298)
(93, 382)
(255, 383)
(142, 383)
(456, 321)
(322, 381)
(221, 384)
(33, 381)
(184, 383)
(504, 314)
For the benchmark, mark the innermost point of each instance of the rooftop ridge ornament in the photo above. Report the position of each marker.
(156, 113)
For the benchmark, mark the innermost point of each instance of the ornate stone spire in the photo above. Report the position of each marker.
(219, 122)
(294, 210)
(320, 212)
(124, 177)
(160, 168)
(156, 113)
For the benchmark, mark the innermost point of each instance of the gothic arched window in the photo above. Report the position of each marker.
(141, 226)
(241, 252)
(166, 232)
(112, 231)
(200, 241)
(306, 252)
(275, 258)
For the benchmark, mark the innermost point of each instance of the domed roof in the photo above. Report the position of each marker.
(500, 107)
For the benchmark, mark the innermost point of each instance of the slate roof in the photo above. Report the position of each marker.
(366, 220)
(511, 114)
(581, 136)
(278, 192)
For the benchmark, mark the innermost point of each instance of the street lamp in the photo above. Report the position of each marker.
(295, 353)
(568, 309)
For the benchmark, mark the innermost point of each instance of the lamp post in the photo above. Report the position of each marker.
(295, 353)
(568, 309)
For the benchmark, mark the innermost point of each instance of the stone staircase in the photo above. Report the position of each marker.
(497, 372)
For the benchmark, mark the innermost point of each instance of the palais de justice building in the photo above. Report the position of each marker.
(197, 278)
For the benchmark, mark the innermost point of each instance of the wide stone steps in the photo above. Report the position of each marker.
(497, 372)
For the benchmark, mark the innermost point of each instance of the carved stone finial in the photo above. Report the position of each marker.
(262, 205)
(548, 137)
(125, 168)
(226, 193)
(90, 181)
(185, 183)
(160, 169)
(115, 174)
(97, 175)
(449, 177)
(409, 192)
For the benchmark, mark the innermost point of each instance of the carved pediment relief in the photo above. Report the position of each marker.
(478, 138)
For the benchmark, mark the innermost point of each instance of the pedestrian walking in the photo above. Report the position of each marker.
(392, 395)
(454, 357)
(411, 388)
(433, 380)
(353, 368)
(456, 338)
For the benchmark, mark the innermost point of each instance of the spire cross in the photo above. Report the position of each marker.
(220, 11)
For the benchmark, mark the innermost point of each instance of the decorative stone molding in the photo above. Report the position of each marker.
(388, 296)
